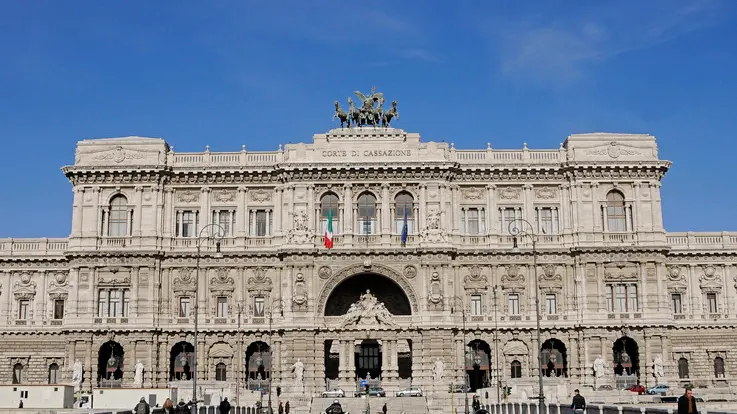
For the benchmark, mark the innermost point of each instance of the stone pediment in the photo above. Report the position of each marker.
(620, 271)
(115, 152)
(368, 311)
(222, 283)
(186, 281)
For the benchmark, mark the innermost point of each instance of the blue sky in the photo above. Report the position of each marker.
(261, 73)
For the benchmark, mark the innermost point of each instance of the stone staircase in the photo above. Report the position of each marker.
(394, 405)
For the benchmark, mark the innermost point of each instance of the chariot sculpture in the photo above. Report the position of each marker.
(369, 113)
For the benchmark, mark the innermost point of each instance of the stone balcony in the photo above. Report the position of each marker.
(682, 241)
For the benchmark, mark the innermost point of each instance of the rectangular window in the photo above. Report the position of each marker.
(58, 309)
(551, 306)
(676, 305)
(102, 304)
(711, 302)
(116, 303)
(473, 221)
(621, 298)
(366, 225)
(509, 214)
(547, 220)
(222, 307)
(185, 307)
(258, 306)
(23, 308)
(513, 304)
(187, 224)
(261, 223)
(476, 307)
(226, 220)
(112, 303)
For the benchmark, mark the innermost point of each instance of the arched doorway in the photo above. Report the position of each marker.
(181, 359)
(383, 288)
(478, 354)
(110, 364)
(368, 359)
(258, 361)
(554, 358)
(626, 361)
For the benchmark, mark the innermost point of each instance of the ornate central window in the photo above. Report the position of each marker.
(366, 214)
(329, 204)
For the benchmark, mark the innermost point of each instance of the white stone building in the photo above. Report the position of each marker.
(613, 284)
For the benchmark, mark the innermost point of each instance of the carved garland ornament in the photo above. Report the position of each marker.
(222, 284)
(474, 279)
(509, 193)
(546, 193)
(188, 196)
(223, 195)
(185, 282)
(259, 282)
(513, 276)
(24, 288)
(352, 270)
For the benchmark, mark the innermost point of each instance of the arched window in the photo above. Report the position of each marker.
(719, 367)
(683, 368)
(221, 372)
(53, 374)
(366, 214)
(516, 369)
(329, 204)
(18, 373)
(118, 217)
(404, 208)
(615, 211)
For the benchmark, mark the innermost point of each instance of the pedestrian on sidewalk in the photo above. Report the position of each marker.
(383, 409)
(579, 403)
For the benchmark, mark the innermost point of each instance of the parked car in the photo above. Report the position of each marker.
(638, 388)
(410, 392)
(658, 390)
(373, 392)
(336, 393)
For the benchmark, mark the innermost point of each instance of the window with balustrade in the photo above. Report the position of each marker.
(367, 216)
(621, 297)
(113, 303)
(119, 217)
(261, 223)
(404, 208)
(329, 205)
(186, 224)
(226, 220)
(616, 215)
(473, 220)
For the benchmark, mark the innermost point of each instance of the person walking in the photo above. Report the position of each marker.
(383, 409)
(579, 403)
(142, 407)
(286, 408)
(168, 406)
(687, 403)
(281, 408)
(224, 406)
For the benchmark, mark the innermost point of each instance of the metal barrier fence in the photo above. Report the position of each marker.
(532, 408)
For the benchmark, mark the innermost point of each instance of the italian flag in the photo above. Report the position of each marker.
(329, 231)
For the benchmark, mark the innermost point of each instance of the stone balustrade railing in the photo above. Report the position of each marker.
(57, 246)
(495, 156)
(32, 247)
(702, 240)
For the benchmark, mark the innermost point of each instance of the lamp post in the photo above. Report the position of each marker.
(205, 234)
(239, 308)
(458, 302)
(516, 231)
(496, 349)
(277, 304)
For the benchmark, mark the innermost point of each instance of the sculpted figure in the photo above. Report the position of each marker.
(77, 372)
(438, 370)
(658, 366)
(299, 371)
(599, 367)
(138, 376)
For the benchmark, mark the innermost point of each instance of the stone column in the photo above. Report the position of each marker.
(77, 213)
(137, 212)
(347, 218)
(280, 218)
(423, 207)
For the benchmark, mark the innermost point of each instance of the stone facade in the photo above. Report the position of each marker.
(610, 278)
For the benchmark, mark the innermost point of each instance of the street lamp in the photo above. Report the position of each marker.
(277, 305)
(205, 234)
(516, 231)
(496, 349)
(456, 303)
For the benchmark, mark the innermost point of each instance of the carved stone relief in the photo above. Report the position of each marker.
(260, 196)
(513, 276)
(222, 284)
(510, 193)
(223, 195)
(410, 272)
(433, 233)
(300, 290)
(475, 280)
(435, 292)
(25, 288)
(710, 279)
(188, 196)
(325, 272)
(546, 193)
(259, 283)
(620, 271)
(549, 277)
(472, 194)
(300, 233)
(185, 281)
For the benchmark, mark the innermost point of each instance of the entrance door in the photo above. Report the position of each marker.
(368, 359)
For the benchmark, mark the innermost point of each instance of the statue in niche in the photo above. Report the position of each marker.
(599, 367)
(138, 376)
(438, 370)
(658, 368)
(299, 371)
(77, 372)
